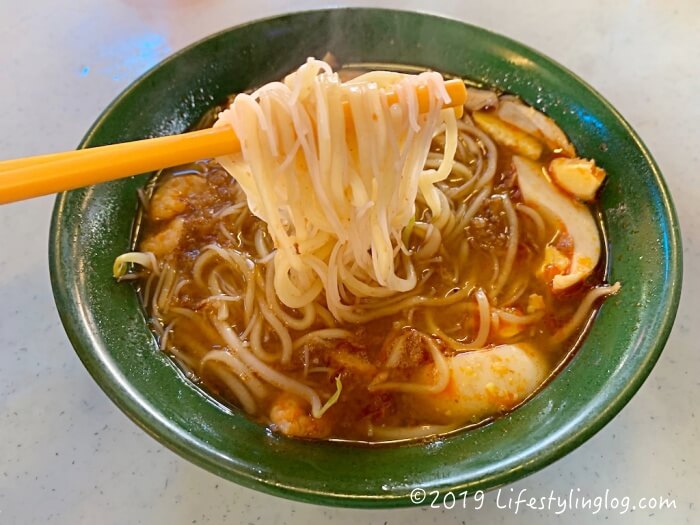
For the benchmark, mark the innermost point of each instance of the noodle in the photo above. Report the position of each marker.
(320, 335)
(535, 217)
(381, 200)
(270, 375)
(243, 372)
(481, 336)
(512, 245)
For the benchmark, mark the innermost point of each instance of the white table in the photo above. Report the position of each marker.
(67, 455)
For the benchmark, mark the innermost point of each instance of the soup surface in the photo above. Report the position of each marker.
(484, 328)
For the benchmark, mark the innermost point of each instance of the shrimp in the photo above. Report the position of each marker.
(165, 241)
(290, 415)
(170, 199)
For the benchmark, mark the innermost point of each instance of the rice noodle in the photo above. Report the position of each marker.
(278, 327)
(295, 323)
(164, 336)
(512, 318)
(237, 388)
(265, 372)
(481, 336)
(489, 151)
(358, 202)
(515, 291)
(512, 248)
(321, 335)
(474, 206)
(256, 343)
(535, 217)
(242, 371)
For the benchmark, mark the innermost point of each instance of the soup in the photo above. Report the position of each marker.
(441, 311)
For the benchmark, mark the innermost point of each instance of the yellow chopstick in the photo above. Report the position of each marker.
(34, 176)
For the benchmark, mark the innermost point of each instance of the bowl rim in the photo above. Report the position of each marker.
(136, 408)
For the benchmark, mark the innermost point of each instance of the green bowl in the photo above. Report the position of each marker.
(106, 324)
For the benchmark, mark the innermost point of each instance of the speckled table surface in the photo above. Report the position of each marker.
(67, 455)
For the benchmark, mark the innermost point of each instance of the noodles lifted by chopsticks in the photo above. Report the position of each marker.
(337, 192)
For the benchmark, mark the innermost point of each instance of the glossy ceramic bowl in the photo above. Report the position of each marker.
(106, 324)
